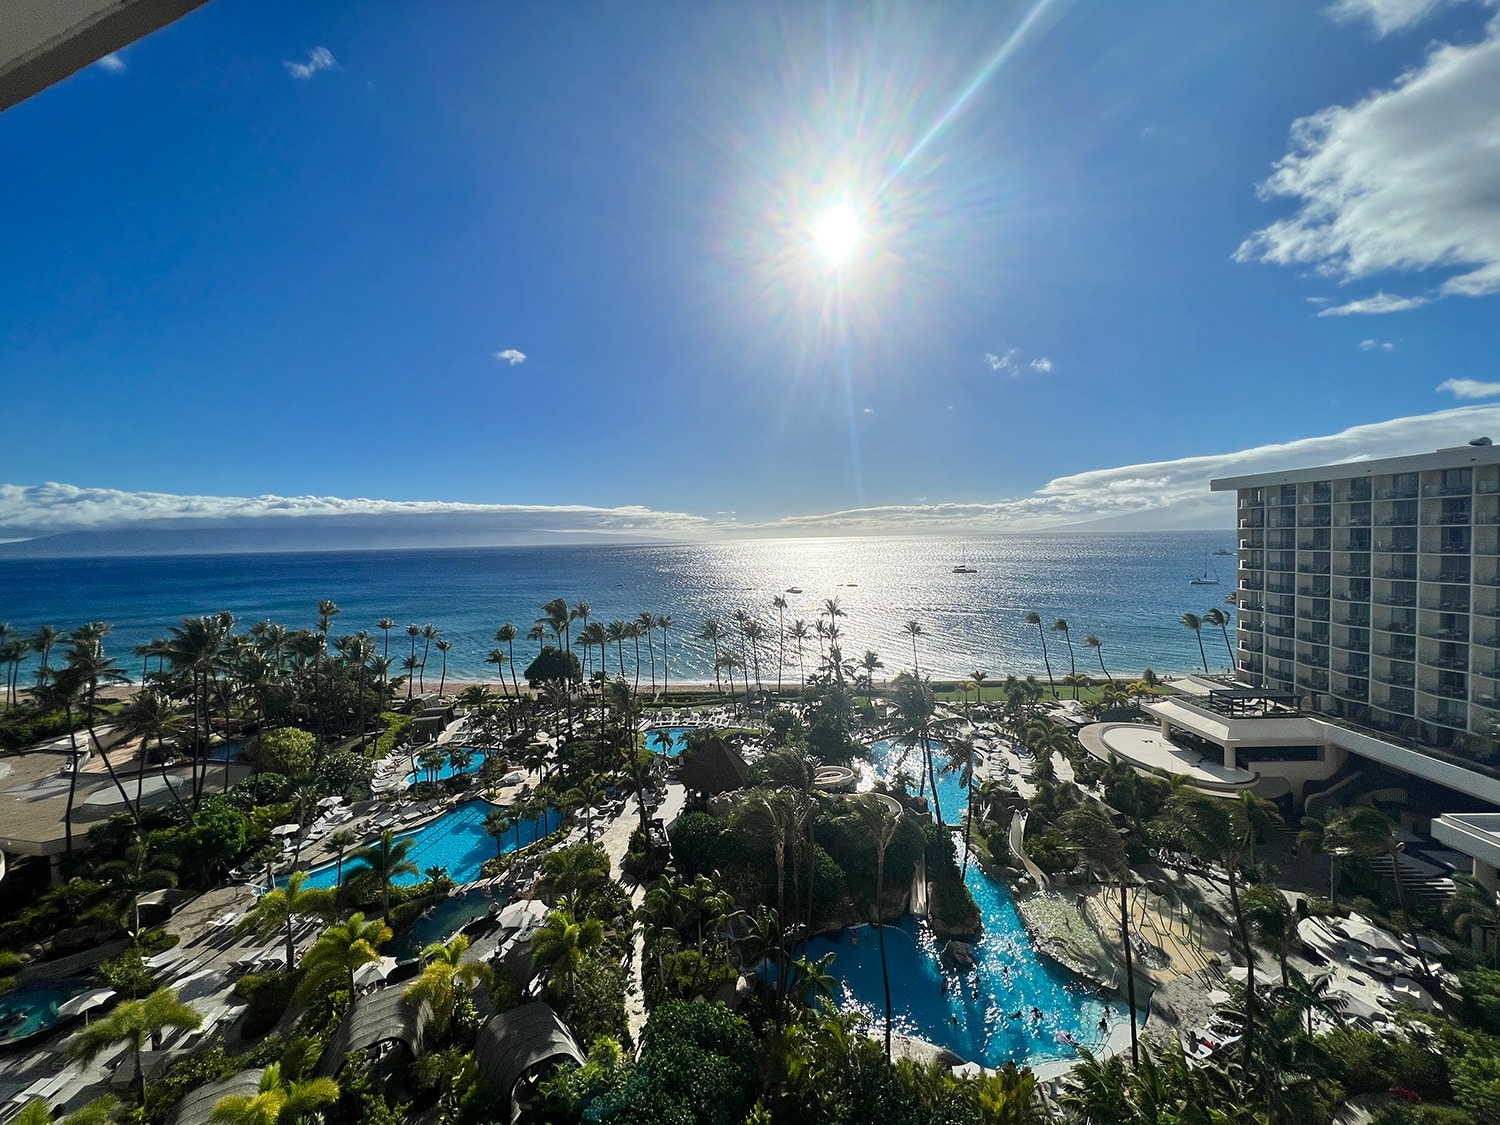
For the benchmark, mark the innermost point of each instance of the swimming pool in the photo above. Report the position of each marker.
(443, 920)
(456, 840)
(985, 1013)
(33, 1007)
(447, 771)
(679, 739)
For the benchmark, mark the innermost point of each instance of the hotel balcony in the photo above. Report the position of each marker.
(1358, 568)
(1396, 494)
(1396, 546)
(1455, 717)
(1249, 643)
(1448, 490)
(1456, 631)
(1353, 495)
(1352, 666)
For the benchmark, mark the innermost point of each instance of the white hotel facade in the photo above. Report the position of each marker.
(1368, 636)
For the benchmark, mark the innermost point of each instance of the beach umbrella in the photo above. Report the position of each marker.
(1432, 945)
(369, 973)
(330, 802)
(1217, 996)
(286, 830)
(1371, 936)
(86, 1002)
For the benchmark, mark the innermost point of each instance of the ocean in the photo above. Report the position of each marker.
(1130, 589)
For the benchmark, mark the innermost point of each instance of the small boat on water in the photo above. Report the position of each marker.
(1206, 578)
(1223, 551)
(965, 568)
(794, 589)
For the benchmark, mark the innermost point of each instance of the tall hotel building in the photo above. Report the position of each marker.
(1371, 592)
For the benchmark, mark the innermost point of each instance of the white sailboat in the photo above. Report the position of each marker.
(1206, 578)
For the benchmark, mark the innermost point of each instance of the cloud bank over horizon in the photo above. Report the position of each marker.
(1155, 495)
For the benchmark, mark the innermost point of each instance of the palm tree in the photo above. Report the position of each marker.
(41, 642)
(138, 870)
(151, 716)
(1261, 818)
(341, 841)
(751, 630)
(278, 910)
(275, 1101)
(443, 645)
(911, 725)
(499, 658)
(871, 663)
(414, 631)
(430, 633)
(779, 603)
(664, 622)
(445, 968)
(914, 630)
(712, 632)
(1195, 623)
(1061, 626)
(133, 1022)
(385, 625)
(386, 861)
(339, 951)
(561, 943)
(580, 612)
(872, 822)
(1272, 924)
(89, 668)
(1215, 829)
(1473, 913)
(616, 633)
(799, 633)
(1092, 641)
(647, 624)
(409, 665)
(506, 635)
(978, 677)
(1365, 832)
(1217, 616)
(1034, 618)
(100, 1111)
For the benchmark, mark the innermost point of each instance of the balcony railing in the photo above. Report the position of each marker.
(1396, 546)
(1352, 496)
(1352, 667)
(1451, 663)
(1278, 631)
(1444, 717)
(1449, 691)
(1358, 691)
(1397, 494)
(1448, 490)
(1313, 568)
(1448, 519)
(1398, 574)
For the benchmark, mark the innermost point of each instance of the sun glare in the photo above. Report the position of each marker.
(836, 234)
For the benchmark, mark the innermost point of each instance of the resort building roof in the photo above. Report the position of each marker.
(1146, 748)
(381, 1017)
(515, 1044)
(198, 1105)
(715, 767)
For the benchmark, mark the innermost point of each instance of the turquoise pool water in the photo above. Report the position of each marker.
(442, 921)
(679, 739)
(419, 774)
(33, 1007)
(455, 840)
(985, 1013)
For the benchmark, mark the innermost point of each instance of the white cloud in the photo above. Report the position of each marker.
(511, 356)
(1378, 305)
(1044, 365)
(1407, 179)
(1371, 345)
(1157, 494)
(1386, 15)
(50, 508)
(112, 62)
(1006, 362)
(319, 58)
(1469, 388)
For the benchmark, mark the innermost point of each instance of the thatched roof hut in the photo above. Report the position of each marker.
(715, 767)
(378, 1019)
(518, 1047)
(198, 1105)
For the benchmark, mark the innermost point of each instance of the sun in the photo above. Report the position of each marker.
(836, 234)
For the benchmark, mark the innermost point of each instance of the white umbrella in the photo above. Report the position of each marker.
(1371, 936)
(286, 830)
(1217, 996)
(330, 802)
(86, 1002)
(369, 973)
(1432, 945)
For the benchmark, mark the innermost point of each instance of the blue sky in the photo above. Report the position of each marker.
(278, 250)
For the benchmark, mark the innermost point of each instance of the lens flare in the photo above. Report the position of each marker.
(836, 234)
